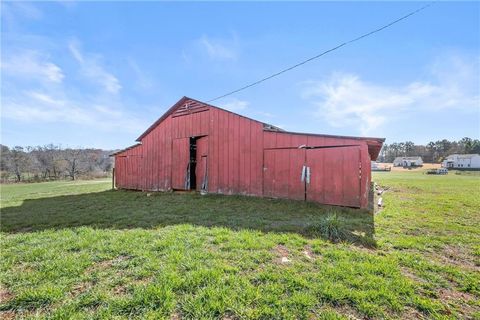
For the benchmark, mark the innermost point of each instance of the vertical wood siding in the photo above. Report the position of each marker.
(128, 168)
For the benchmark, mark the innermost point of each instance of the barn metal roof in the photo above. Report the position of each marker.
(125, 149)
(462, 156)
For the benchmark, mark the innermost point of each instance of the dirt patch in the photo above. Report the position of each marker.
(282, 254)
(120, 290)
(105, 264)
(410, 275)
(24, 268)
(80, 288)
(144, 280)
(458, 256)
(449, 294)
(367, 250)
(461, 300)
(349, 312)
(425, 166)
(282, 250)
(410, 313)
(176, 316)
(308, 253)
(5, 295)
(229, 316)
(7, 315)
(414, 232)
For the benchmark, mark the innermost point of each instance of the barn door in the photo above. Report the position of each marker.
(181, 163)
(201, 172)
(334, 175)
(282, 173)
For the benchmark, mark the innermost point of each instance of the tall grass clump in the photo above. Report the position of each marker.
(331, 227)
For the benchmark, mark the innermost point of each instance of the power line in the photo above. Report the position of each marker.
(323, 53)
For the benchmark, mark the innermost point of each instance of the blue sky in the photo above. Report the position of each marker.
(97, 74)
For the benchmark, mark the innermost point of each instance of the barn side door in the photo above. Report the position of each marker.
(334, 175)
(180, 163)
(282, 173)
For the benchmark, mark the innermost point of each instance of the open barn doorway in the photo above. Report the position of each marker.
(192, 166)
(189, 169)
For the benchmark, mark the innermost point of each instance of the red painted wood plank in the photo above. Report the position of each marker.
(180, 160)
(236, 155)
(230, 145)
(201, 162)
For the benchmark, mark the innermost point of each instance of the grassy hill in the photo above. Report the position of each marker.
(79, 250)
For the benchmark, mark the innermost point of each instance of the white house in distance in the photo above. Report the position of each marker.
(462, 161)
(408, 162)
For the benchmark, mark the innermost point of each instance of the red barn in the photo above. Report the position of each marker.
(197, 146)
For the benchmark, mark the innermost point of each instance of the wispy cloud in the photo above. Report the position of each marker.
(14, 10)
(235, 105)
(220, 49)
(36, 89)
(92, 69)
(344, 99)
(36, 106)
(143, 81)
(31, 64)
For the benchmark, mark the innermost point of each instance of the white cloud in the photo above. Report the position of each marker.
(45, 98)
(34, 106)
(93, 70)
(219, 49)
(235, 105)
(34, 92)
(346, 100)
(31, 64)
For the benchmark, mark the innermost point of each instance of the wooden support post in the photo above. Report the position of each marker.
(113, 179)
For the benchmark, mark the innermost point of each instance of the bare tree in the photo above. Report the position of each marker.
(19, 162)
(73, 159)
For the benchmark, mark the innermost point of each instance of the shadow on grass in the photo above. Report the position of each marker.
(130, 209)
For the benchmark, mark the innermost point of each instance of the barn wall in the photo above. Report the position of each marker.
(158, 146)
(235, 154)
(128, 168)
(278, 140)
(366, 176)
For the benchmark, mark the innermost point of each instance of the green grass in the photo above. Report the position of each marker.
(79, 250)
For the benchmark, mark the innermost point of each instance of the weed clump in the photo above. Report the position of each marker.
(331, 227)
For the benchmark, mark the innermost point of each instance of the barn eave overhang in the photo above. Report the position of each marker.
(125, 149)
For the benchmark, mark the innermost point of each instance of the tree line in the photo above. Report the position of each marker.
(434, 151)
(52, 162)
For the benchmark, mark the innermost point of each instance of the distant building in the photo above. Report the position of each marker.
(462, 161)
(408, 162)
(375, 166)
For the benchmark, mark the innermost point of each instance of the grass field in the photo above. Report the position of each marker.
(79, 250)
